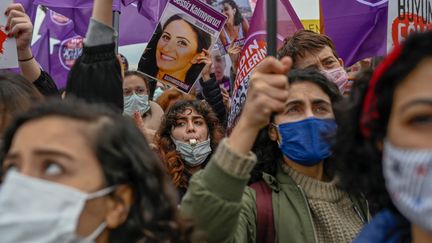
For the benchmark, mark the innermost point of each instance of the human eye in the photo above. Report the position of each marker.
(180, 124)
(53, 168)
(182, 43)
(421, 120)
(321, 109)
(199, 122)
(140, 91)
(329, 63)
(165, 37)
(127, 92)
(293, 110)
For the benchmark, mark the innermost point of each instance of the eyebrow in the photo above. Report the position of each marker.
(294, 102)
(314, 102)
(320, 101)
(42, 152)
(415, 103)
(327, 58)
(180, 117)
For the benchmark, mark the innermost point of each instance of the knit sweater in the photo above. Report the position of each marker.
(332, 210)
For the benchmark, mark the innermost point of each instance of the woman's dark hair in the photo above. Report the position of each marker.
(150, 86)
(267, 151)
(126, 159)
(238, 17)
(178, 170)
(16, 96)
(147, 63)
(96, 77)
(358, 158)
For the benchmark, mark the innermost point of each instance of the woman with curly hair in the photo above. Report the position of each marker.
(384, 147)
(188, 135)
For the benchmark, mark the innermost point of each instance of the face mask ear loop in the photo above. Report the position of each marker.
(277, 132)
(93, 236)
(101, 193)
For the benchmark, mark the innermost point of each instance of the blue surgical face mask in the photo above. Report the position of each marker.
(136, 103)
(305, 142)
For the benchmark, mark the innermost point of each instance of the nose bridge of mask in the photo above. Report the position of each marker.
(16, 181)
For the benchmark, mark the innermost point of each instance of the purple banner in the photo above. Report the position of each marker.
(129, 17)
(357, 27)
(73, 3)
(201, 11)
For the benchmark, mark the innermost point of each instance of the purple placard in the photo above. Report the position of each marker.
(201, 11)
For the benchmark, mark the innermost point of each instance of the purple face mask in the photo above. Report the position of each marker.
(338, 76)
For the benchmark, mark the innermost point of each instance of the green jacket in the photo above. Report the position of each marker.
(225, 208)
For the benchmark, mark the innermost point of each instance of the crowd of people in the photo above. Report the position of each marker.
(316, 155)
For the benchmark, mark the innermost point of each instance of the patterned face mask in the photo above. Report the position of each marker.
(338, 76)
(408, 178)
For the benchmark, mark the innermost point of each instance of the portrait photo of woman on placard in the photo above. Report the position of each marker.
(236, 26)
(176, 52)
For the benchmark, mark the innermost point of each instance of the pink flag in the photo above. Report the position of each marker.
(255, 49)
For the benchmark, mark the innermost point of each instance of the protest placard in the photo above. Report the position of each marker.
(255, 50)
(185, 29)
(8, 49)
(406, 17)
(236, 28)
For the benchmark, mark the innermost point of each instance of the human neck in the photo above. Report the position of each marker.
(316, 171)
(229, 24)
(420, 235)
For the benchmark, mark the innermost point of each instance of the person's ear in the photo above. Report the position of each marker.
(341, 62)
(273, 133)
(119, 206)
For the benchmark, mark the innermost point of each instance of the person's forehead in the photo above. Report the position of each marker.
(133, 81)
(180, 28)
(56, 137)
(314, 58)
(189, 113)
(306, 91)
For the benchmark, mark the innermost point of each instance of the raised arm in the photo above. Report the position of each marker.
(20, 26)
(96, 75)
(221, 186)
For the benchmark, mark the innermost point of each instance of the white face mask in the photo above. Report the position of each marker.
(38, 211)
(193, 155)
(338, 76)
(136, 103)
(158, 92)
(408, 178)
